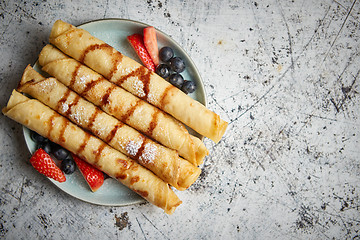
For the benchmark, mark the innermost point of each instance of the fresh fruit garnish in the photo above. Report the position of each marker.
(176, 79)
(93, 176)
(44, 164)
(37, 137)
(60, 153)
(68, 165)
(151, 45)
(177, 64)
(136, 41)
(163, 70)
(46, 146)
(188, 87)
(166, 53)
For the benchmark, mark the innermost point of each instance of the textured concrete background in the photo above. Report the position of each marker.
(285, 74)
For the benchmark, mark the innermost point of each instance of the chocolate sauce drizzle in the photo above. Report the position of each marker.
(162, 101)
(84, 143)
(98, 153)
(130, 111)
(74, 74)
(117, 56)
(153, 123)
(62, 130)
(51, 124)
(73, 103)
(105, 98)
(141, 149)
(90, 85)
(113, 132)
(63, 99)
(143, 74)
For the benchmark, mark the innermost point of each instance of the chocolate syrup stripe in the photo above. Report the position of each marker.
(142, 72)
(83, 144)
(62, 131)
(141, 149)
(98, 154)
(143, 75)
(92, 118)
(105, 47)
(51, 124)
(74, 74)
(67, 113)
(105, 97)
(111, 134)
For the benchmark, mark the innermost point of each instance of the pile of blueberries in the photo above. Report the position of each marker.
(171, 69)
(60, 153)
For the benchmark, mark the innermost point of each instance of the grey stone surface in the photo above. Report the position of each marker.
(285, 74)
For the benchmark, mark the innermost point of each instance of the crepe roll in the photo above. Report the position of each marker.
(137, 79)
(164, 162)
(123, 105)
(38, 117)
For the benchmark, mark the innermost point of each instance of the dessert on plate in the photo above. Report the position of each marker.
(129, 122)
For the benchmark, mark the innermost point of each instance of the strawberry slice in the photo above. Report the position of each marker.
(137, 42)
(44, 164)
(93, 176)
(151, 45)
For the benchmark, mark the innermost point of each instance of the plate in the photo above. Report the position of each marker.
(114, 32)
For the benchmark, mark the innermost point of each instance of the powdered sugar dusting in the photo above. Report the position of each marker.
(151, 98)
(77, 116)
(133, 147)
(64, 107)
(47, 85)
(138, 87)
(83, 80)
(149, 153)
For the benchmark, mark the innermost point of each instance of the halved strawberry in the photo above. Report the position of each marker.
(93, 176)
(44, 164)
(137, 42)
(151, 45)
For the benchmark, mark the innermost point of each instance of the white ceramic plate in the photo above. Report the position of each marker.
(114, 32)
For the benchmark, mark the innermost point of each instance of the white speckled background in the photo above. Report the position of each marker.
(285, 74)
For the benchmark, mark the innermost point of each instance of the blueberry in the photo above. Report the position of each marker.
(165, 54)
(177, 64)
(37, 137)
(68, 165)
(188, 87)
(60, 153)
(176, 79)
(163, 70)
(46, 146)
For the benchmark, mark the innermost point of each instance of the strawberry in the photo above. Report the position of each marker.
(93, 176)
(151, 45)
(137, 42)
(44, 164)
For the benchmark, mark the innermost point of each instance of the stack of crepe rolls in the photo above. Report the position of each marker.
(164, 162)
(38, 117)
(123, 105)
(135, 78)
(136, 135)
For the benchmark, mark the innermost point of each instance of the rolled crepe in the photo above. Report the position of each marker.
(122, 104)
(137, 79)
(48, 123)
(165, 163)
